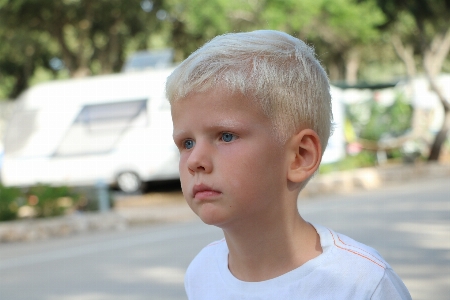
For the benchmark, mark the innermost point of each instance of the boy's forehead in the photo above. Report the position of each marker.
(219, 101)
(222, 109)
(217, 96)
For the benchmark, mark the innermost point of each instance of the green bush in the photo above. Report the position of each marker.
(9, 206)
(50, 201)
(373, 121)
(47, 201)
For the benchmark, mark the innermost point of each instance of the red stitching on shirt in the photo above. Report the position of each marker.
(354, 252)
(374, 257)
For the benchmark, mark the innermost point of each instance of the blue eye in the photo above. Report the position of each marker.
(228, 137)
(188, 144)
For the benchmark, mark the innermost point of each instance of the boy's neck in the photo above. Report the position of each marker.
(265, 252)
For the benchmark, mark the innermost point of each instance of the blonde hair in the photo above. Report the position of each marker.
(278, 71)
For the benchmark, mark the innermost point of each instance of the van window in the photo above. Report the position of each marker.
(98, 128)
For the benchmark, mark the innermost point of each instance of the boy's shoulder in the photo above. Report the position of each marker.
(210, 256)
(346, 268)
(339, 246)
(205, 269)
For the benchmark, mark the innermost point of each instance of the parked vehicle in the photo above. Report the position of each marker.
(150, 59)
(115, 129)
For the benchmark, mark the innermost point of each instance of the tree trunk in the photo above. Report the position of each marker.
(337, 68)
(20, 84)
(436, 54)
(433, 59)
(406, 54)
(442, 134)
(351, 67)
(333, 71)
(57, 31)
(111, 51)
(84, 52)
(440, 139)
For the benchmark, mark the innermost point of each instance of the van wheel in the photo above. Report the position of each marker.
(129, 182)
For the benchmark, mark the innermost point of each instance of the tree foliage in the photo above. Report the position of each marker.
(192, 23)
(21, 53)
(88, 36)
(430, 27)
(383, 122)
(93, 37)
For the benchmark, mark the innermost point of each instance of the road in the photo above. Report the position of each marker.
(409, 225)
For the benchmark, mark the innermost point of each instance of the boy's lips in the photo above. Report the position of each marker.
(202, 191)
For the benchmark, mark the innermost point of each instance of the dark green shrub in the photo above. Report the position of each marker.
(51, 201)
(373, 121)
(9, 198)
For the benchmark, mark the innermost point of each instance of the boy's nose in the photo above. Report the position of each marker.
(200, 159)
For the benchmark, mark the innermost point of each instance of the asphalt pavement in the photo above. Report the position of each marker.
(408, 224)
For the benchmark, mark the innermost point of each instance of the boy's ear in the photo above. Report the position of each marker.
(305, 155)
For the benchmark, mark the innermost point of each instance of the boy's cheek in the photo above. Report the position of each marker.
(183, 169)
(183, 159)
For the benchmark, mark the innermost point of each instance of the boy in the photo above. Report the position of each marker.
(252, 117)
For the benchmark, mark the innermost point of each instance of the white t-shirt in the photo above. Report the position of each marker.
(345, 270)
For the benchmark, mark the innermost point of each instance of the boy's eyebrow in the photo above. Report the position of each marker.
(227, 123)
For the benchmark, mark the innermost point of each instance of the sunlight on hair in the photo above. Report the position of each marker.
(278, 71)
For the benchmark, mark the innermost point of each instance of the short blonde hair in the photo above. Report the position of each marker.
(278, 71)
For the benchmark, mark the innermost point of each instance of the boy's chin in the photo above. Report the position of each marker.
(210, 216)
(208, 220)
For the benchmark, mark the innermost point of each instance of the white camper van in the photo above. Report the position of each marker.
(114, 128)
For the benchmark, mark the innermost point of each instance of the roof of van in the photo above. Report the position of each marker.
(97, 89)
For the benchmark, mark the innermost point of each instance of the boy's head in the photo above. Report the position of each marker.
(274, 69)
(251, 114)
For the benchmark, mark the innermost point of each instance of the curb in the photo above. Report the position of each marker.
(122, 217)
(42, 229)
(372, 178)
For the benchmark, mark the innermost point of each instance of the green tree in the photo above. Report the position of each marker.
(21, 53)
(193, 23)
(90, 37)
(429, 35)
(335, 28)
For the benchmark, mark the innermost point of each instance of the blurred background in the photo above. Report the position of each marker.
(387, 61)
(83, 62)
(85, 128)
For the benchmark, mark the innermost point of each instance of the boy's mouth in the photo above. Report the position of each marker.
(202, 191)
